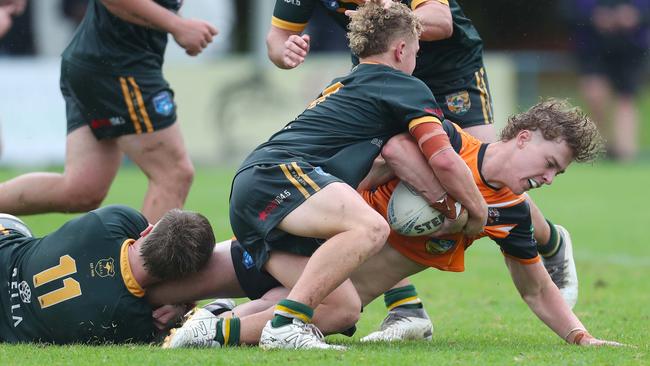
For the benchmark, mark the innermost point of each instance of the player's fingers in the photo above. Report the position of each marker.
(297, 49)
(293, 60)
(350, 13)
(213, 30)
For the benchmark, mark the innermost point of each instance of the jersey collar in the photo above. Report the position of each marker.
(127, 275)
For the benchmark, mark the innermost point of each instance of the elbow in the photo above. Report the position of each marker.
(394, 149)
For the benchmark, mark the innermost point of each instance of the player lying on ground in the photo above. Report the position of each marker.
(296, 192)
(86, 282)
(535, 147)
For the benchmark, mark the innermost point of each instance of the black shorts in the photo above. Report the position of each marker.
(620, 62)
(253, 281)
(262, 196)
(466, 100)
(114, 105)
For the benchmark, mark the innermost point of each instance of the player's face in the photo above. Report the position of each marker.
(537, 161)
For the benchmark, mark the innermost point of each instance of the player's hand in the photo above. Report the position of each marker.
(194, 35)
(475, 224)
(451, 226)
(386, 4)
(296, 48)
(5, 19)
(167, 316)
(588, 340)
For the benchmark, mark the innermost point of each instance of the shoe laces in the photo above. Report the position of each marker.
(393, 318)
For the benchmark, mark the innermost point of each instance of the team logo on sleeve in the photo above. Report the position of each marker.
(330, 4)
(104, 268)
(458, 103)
(163, 103)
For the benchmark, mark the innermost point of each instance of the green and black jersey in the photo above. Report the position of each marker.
(104, 42)
(74, 285)
(343, 130)
(438, 61)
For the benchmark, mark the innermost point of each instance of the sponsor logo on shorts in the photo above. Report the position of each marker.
(438, 246)
(329, 4)
(163, 103)
(247, 260)
(458, 103)
(320, 171)
(107, 122)
(377, 142)
(273, 204)
(103, 268)
(25, 292)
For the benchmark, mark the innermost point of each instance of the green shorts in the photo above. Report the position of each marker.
(262, 196)
(115, 105)
(465, 101)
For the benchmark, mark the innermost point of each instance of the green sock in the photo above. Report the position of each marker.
(228, 331)
(405, 297)
(554, 243)
(286, 310)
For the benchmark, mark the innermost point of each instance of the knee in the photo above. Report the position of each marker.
(375, 230)
(179, 175)
(84, 200)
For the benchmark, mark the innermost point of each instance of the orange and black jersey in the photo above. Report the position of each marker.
(344, 129)
(509, 221)
(438, 61)
(74, 285)
(104, 42)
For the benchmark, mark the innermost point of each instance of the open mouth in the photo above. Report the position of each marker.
(533, 183)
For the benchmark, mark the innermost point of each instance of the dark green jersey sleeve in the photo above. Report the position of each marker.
(292, 15)
(519, 243)
(411, 101)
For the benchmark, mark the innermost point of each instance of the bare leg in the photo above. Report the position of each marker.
(163, 158)
(355, 232)
(626, 128)
(90, 166)
(485, 133)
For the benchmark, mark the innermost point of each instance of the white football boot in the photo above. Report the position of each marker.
(562, 269)
(220, 306)
(296, 335)
(403, 325)
(198, 331)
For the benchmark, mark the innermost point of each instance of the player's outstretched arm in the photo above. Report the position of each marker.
(545, 300)
(286, 49)
(191, 34)
(436, 20)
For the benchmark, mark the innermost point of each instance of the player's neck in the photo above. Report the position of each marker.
(381, 59)
(137, 266)
(493, 163)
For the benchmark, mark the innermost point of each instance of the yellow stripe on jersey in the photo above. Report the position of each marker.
(479, 84)
(127, 275)
(71, 289)
(304, 176)
(412, 299)
(421, 120)
(487, 96)
(416, 3)
(290, 26)
(129, 105)
(67, 266)
(293, 180)
(141, 107)
(226, 331)
(283, 310)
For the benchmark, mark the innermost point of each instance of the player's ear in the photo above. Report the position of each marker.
(399, 51)
(146, 231)
(523, 137)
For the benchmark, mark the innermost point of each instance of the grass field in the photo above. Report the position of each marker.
(478, 316)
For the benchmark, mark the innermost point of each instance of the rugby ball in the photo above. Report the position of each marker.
(411, 215)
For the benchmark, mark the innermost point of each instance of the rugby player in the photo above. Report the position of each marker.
(535, 147)
(86, 282)
(117, 102)
(296, 192)
(450, 63)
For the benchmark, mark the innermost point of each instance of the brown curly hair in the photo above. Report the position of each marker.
(557, 119)
(372, 27)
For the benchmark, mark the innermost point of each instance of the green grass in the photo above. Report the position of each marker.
(478, 316)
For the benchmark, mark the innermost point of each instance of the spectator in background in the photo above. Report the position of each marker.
(611, 43)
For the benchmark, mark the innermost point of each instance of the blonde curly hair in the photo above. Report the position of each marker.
(557, 119)
(373, 27)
